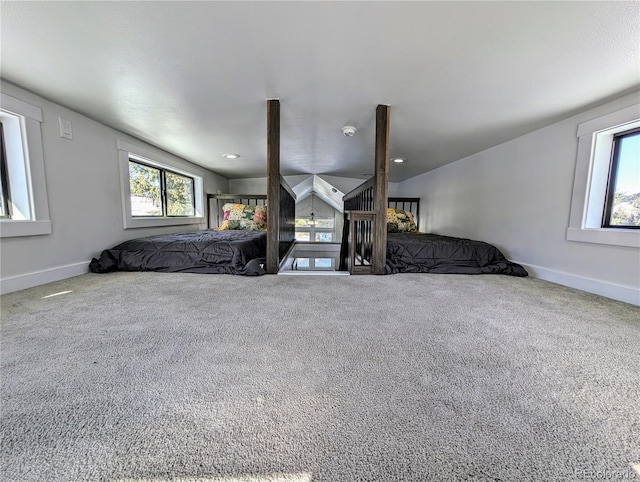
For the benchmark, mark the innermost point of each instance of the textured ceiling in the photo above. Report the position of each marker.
(193, 77)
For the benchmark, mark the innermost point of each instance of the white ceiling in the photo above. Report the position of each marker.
(193, 77)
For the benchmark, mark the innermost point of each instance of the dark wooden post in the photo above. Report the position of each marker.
(273, 186)
(381, 188)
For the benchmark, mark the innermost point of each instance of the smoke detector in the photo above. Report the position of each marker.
(349, 131)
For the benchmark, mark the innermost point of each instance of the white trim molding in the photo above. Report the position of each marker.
(593, 159)
(37, 278)
(627, 294)
(618, 237)
(13, 228)
(25, 156)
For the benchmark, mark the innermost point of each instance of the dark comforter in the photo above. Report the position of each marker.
(431, 253)
(208, 251)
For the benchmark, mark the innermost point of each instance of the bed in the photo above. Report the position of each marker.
(380, 235)
(208, 251)
(411, 251)
(224, 250)
(255, 235)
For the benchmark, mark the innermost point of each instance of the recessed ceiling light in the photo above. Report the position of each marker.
(398, 160)
(230, 156)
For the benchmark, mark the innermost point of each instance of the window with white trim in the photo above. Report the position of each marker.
(25, 205)
(597, 180)
(155, 192)
(315, 230)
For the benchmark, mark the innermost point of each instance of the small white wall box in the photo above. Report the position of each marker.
(66, 128)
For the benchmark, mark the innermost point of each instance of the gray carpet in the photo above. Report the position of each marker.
(182, 377)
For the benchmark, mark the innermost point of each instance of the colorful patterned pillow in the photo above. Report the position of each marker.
(399, 221)
(244, 217)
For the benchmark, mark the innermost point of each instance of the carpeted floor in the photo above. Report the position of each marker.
(152, 377)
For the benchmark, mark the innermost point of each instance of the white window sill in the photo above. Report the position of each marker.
(615, 237)
(151, 222)
(10, 228)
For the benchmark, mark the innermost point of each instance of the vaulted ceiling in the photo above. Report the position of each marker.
(193, 77)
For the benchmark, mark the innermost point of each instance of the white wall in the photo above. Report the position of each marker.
(258, 185)
(316, 205)
(321, 209)
(346, 184)
(83, 185)
(517, 195)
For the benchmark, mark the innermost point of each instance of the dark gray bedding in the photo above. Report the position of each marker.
(208, 251)
(432, 253)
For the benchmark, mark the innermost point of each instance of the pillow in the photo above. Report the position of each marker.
(244, 217)
(399, 221)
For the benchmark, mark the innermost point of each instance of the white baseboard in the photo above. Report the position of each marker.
(628, 294)
(29, 280)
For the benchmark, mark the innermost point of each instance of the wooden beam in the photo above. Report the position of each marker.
(381, 188)
(273, 185)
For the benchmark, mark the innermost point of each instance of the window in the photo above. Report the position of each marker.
(314, 264)
(179, 195)
(155, 192)
(159, 192)
(622, 208)
(24, 207)
(312, 229)
(606, 159)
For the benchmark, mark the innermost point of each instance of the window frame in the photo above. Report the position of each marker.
(164, 198)
(160, 189)
(593, 163)
(140, 155)
(5, 194)
(312, 264)
(25, 169)
(613, 171)
(312, 230)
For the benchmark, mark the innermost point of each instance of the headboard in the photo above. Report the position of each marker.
(411, 204)
(215, 202)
